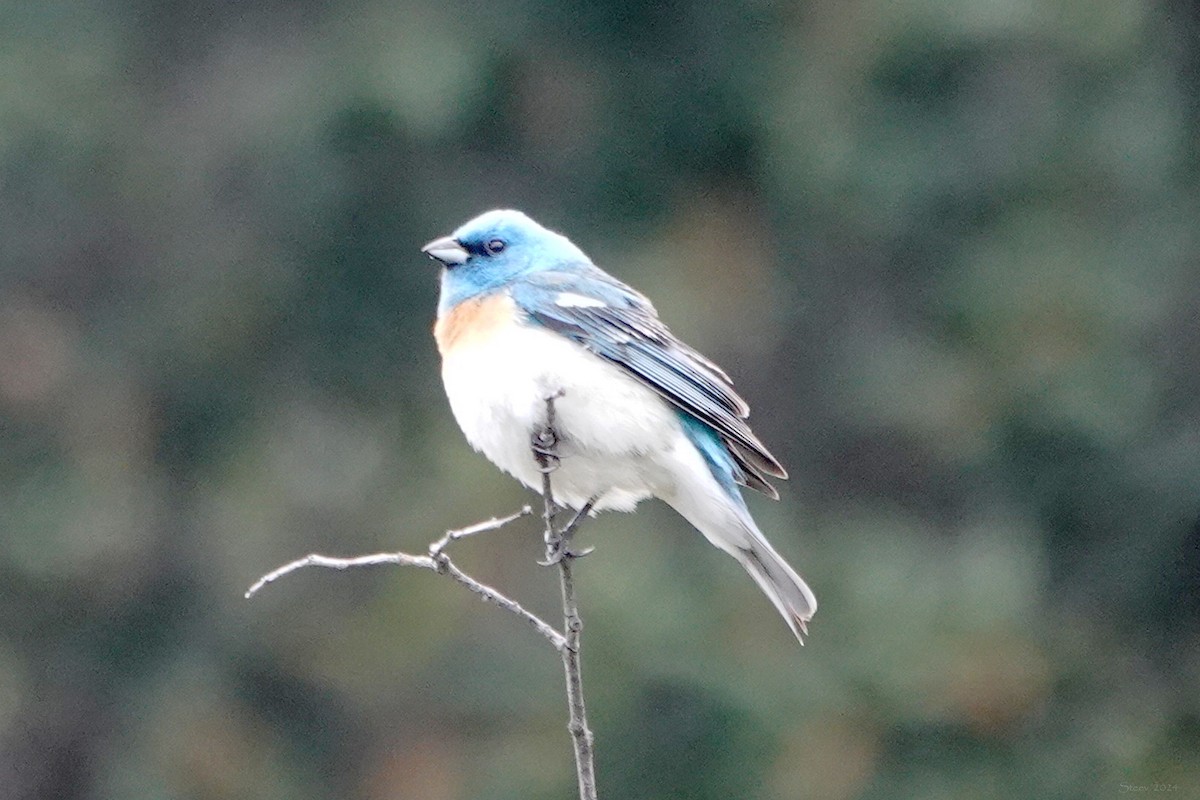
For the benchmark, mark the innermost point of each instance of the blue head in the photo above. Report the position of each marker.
(496, 248)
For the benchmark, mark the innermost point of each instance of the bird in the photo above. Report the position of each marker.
(524, 315)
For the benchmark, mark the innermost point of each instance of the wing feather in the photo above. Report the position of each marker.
(622, 327)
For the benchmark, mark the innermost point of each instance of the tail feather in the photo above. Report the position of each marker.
(706, 494)
(780, 583)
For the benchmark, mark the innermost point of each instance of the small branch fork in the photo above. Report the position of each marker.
(437, 561)
(544, 445)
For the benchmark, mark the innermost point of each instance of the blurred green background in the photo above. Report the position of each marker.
(949, 251)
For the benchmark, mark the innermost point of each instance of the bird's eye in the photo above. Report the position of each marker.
(494, 247)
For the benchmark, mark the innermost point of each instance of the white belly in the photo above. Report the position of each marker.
(616, 435)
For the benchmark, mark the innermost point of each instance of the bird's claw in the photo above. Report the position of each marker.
(561, 549)
(558, 542)
(544, 441)
(544, 444)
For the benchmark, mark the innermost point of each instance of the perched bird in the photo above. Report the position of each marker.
(525, 315)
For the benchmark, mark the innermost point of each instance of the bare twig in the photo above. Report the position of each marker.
(490, 595)
(333, 562)
(558, 551)
(581, 734)
(438, 562)
(479, 527)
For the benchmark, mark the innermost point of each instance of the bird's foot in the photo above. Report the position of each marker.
(560, 549)
(558, 542)
(544, 444)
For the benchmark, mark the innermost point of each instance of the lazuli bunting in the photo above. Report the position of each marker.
(525, 315)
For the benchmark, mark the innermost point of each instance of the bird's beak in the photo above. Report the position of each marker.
(446, 250)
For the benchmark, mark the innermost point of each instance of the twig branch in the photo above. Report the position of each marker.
(436, 561)
(333, 562)
(558, 551)
(581, 734)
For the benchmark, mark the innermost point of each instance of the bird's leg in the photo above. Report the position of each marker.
(568, 530)
(560, 547)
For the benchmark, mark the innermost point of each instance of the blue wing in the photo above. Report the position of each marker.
(618, 324)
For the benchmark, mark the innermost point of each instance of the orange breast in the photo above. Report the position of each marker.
(473, 322)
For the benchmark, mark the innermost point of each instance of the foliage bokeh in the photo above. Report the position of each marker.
(948, 251)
